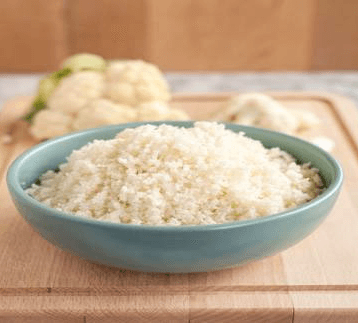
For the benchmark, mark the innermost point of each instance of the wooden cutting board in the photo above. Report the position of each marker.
(314, 281)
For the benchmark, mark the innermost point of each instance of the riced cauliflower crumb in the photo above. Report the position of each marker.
(166, 175)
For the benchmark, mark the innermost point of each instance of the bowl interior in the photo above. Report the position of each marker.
(50, 154)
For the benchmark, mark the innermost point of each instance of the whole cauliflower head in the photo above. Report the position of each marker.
(75, 91)
(89, 92)
(157, 111)
(324, 142)
(102, 112)
(49, 123)
(135, 82)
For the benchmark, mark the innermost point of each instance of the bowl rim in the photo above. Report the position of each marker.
(14, 186)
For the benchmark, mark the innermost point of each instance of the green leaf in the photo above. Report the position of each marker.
(38, 105)
(46, 87)
(85, 61)
(59, 75)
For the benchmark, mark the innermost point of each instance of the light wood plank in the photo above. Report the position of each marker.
(149, 309)
(327, 257)
(328, 307)
(262, 274)
(240, 307)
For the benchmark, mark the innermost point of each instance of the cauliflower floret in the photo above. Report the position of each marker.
(75, 91)
(306, 119)
(256, 109)
(135, 82)
(103, 112)
(49, 123)
(260, 110)
(156, 110)
(324, 142)
(84, 61)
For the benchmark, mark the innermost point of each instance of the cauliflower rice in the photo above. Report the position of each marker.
(165, 175)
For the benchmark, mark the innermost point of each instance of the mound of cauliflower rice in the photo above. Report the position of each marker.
(166, 175)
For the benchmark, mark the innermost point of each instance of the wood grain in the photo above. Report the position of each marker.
(241, 307)
(336, 35)
(314, 281)
(325, 307)
(143, 309)
(32, 35)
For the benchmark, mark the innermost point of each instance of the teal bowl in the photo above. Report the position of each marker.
(171, 249)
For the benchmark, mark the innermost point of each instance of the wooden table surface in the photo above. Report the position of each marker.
(314, 281)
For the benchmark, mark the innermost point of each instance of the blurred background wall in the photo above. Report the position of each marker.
(179, 35)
